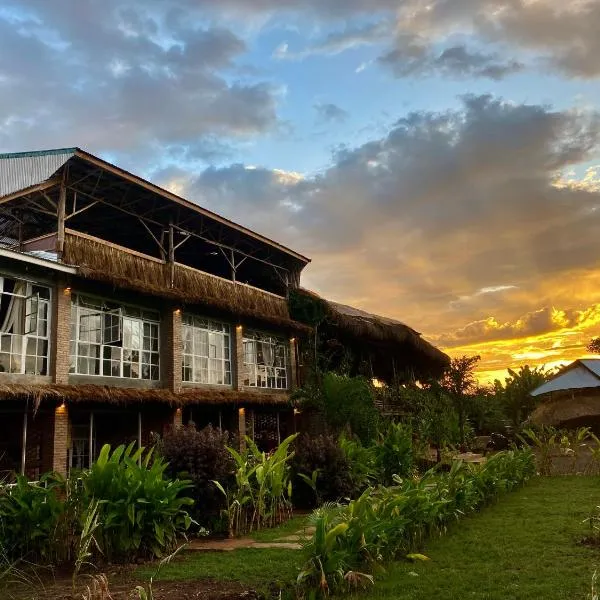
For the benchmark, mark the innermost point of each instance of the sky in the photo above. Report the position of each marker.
(438, 160)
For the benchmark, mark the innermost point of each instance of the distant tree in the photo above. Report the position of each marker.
(516, 391)
(460, 385)
(594, 346)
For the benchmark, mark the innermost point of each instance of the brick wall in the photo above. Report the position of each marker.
(61, 333)
(61, 439)
(171, 349)
(238, 358)
(292, 365)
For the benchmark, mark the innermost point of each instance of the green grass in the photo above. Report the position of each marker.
(294, 526)
(525, 547)
(255, 567)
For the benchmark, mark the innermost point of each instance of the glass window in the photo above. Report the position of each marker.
(206, 351)
(265, 361)
(112, 340)
(24, 313)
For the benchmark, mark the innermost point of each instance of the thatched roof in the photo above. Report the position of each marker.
(566, 407)
(387, 336)
(121, 267)
(121, 396)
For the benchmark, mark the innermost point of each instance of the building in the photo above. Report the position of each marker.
(125, 309)
(571, 398)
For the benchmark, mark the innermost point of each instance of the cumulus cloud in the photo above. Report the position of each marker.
(413, 223)
(123, 77)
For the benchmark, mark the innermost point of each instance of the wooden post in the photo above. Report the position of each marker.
(60, 213)
(91, 441)
(139, 436)
(24, 442)
(172, 253)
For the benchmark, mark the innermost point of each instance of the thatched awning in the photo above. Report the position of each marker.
(121, 267)
(566, 407)
(386, 336)
(123, 396)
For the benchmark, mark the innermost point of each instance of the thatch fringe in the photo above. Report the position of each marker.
(377, 329)
(121, 396)
(119, 267)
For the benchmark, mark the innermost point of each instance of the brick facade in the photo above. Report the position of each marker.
(238, 356)
(61, 333)
(171, 352)
(61, 440)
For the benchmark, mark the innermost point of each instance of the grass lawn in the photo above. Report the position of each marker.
(525, 547)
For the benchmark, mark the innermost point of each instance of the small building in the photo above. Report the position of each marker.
(571, 398)
(126, 309)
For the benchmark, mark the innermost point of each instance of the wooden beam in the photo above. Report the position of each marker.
(60, 214)
(38, 187)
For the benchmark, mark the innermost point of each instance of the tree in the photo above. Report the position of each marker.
(460, 384)
(516, 391)
(594, 346)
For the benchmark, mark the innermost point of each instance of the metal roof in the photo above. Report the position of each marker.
(583, 373)
(21, 170)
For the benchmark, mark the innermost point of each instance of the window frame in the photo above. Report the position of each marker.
(259, 374)
(193, 325)
(105, 352)
(39, 333)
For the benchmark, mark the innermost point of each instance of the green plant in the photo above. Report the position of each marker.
(141, 511)
(261, 494)
(545, 441)
(387, 522)
(362, 460)
(83, 552)
(29, 519)
(394, 452)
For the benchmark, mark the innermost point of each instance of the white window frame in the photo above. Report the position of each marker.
(261, 374)
(218, 368)
(36, 328)
(108, 353)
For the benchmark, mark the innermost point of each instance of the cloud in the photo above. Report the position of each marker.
(411, 58)
(330, 113)
(123, 79)
(450, 217)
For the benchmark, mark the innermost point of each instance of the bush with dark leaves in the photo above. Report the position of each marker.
(202, 457)
(322, 460)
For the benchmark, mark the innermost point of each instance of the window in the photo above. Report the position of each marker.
(24, 310)
(206, 351)
(113, 340)
(265, 361)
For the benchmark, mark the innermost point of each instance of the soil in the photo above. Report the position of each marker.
(122, 588)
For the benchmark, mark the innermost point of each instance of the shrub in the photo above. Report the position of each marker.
(202, 457)
(394, 452)
(387, 522)
(261, 493)
(141, 511)
(30, 518)
(362, 461)
(322, 456)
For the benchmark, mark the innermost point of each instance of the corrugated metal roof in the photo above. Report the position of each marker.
(578, 375)
(21, 170)
(593, 364)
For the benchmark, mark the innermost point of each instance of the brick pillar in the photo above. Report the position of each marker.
(238, 358)
(178, 418)
(242, 427)
(61, 333)
(172, 350)
(61, 440)
(292, 365)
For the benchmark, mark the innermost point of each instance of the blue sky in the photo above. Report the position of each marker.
(437, 159)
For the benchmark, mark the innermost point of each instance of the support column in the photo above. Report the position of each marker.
(242, 427)
(293, 364)
(178, 418)
(172, 350)
(61, 333)
(24, 442)
(61, 440)
(60, 213)
(91, 440)
(238, 352)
